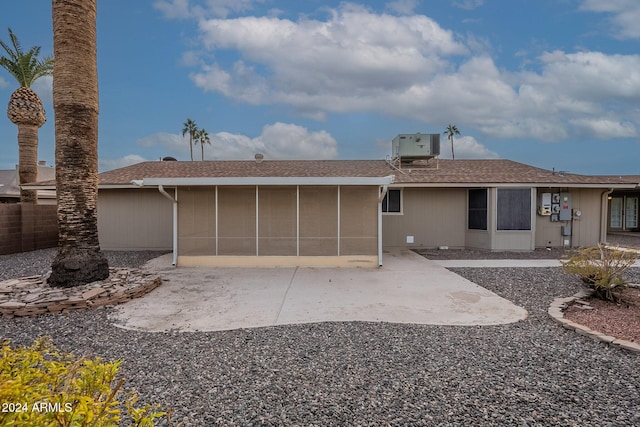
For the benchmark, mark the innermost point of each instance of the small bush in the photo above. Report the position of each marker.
(601, 269)
(41, 387)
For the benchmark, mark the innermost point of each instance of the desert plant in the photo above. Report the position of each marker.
(41, 387)
(601, 269)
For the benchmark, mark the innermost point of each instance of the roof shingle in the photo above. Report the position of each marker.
(435, 172)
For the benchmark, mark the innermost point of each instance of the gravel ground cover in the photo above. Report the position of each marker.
(528, 373)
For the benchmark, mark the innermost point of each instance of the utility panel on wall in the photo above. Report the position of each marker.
(544, 204)
(565, 207)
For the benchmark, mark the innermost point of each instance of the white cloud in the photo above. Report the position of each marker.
(277, 141)
(3, 82)
(342, 64)
(408, 66)
(605, 128)
(171, 143)
(43, 87)
(465, 147)
(109, 164)
(625, 15)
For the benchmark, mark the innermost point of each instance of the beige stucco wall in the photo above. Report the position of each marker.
(585, 230)
(135, 219)
(433, 216)
(438, 217)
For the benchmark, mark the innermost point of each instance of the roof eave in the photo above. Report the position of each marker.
(509, 184)
(272, 180)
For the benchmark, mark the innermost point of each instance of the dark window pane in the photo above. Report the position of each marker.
(391, 202)
(514, 209)
(477, 209)
(394, 201)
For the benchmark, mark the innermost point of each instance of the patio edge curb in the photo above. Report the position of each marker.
(556, 311)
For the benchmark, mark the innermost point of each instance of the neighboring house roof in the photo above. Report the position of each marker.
(9, 181)
(435, 172)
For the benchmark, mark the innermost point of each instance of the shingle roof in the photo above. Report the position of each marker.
(233, 169)
(498, 171)
(435, 172)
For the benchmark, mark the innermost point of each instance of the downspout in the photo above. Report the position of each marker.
(174, 201)
(385, 188)
(604, 214)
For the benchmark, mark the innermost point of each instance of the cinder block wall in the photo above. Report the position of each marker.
(26, 227)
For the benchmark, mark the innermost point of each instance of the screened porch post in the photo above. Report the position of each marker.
(257, 223)
(297, 220)
(216, 219)
(338, 220)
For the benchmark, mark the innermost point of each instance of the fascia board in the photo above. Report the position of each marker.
(38, 187)
(285, 180)
(514, 184)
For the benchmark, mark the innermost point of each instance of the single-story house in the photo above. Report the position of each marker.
(345, 212)
(247, 212)
(497, 205)
(10, 185)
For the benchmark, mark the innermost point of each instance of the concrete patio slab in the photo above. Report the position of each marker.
(407, 289)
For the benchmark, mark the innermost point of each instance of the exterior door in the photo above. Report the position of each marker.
(615, 215)
(631, 213)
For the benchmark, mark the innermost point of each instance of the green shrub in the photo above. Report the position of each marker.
(41, 387)
(601, 269)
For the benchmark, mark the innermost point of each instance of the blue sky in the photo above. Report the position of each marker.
(552, 83)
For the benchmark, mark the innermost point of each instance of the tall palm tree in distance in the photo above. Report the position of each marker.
(450, 131)
(190, 127)
(25, 107)
(203, 138)
(75, 102)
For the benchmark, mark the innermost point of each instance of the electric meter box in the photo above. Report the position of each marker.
(565, 207)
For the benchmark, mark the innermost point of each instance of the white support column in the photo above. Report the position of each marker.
(338, 220)
(174, 201)
(383, 193)
(257, 222)
(175, 227)
(297, 220)
(216, 210)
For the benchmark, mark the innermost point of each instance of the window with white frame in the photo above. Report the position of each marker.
(392, 202)
(514, 209)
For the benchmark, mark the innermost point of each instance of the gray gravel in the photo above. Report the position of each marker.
(372, 374)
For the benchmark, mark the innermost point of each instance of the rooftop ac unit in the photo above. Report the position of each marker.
(415, 146)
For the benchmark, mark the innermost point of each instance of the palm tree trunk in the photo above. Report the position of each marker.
(453, 156)
(28, 160)
(202, 148)
(75, 101)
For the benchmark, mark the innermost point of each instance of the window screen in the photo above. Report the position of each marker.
(477, 209)
(391, 202)
(514, 209)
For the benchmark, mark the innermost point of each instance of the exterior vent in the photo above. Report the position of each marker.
(415, 146)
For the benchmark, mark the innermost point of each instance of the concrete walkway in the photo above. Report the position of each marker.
(495, 263)
(407, 289)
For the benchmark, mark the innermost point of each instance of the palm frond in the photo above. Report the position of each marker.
(24, 67)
